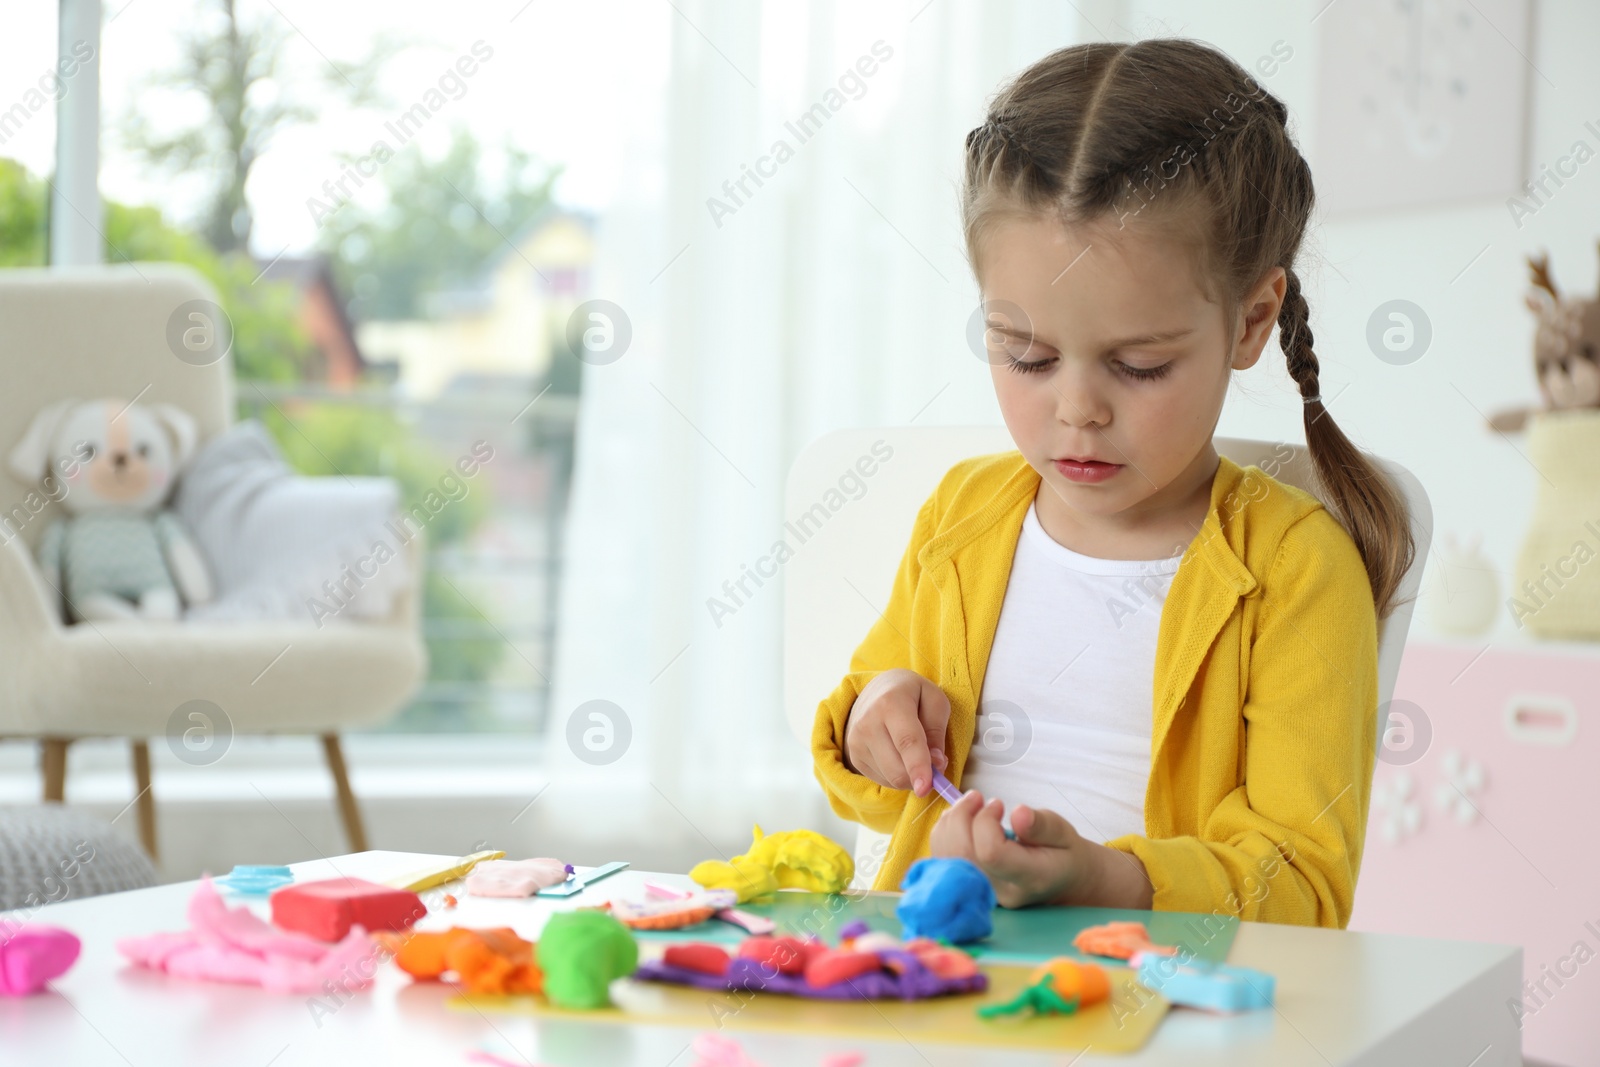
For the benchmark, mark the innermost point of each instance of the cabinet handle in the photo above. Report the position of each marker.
(1541, 719)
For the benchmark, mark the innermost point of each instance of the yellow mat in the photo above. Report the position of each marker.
(1122, 1024)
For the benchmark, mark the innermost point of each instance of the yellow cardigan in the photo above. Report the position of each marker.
(1265, 699)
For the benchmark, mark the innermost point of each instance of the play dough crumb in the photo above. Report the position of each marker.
(946, 899)
(581, 953)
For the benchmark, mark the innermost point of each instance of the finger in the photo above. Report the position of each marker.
(940, 760)
(1042, 827)
(933, 710)
(952, 834)
(988, 836)
(890, 769)
(876, 758)
(905, 731)
(961, 812)
(1021, 821)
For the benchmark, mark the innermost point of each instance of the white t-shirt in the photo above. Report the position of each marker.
(1064, 719)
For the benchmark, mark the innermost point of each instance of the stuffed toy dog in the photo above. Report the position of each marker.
(1566, 349)
(117, 554)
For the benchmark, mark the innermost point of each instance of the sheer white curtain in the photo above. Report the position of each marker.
(834, 294)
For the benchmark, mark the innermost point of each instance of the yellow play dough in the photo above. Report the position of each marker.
(791, 859)
(744, 876)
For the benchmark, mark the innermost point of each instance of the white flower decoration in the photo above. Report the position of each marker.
(1457, 794)
(1402, 815)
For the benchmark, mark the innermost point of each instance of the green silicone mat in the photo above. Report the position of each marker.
(1022, 935)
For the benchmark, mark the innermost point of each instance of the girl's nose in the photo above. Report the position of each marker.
(1078, 402)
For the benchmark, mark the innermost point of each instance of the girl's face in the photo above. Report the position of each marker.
(1103, 347)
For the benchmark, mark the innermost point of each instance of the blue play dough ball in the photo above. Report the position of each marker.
(946, 899)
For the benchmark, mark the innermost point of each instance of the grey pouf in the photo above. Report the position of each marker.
(50, 853)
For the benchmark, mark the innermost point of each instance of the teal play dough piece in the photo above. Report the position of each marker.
(581, 953)
(255, 878)
(946, 899)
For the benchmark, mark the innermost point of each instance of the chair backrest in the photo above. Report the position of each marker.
(93, 332)
(861, 542)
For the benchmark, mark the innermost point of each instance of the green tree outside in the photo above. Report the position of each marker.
(317, 437)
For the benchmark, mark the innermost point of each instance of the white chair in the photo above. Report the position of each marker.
(861, 545)
(97, 332)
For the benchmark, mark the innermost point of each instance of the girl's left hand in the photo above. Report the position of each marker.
(1048, 863)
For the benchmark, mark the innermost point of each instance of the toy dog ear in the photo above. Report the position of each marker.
(1538, 301)
(180, 424)
(30, 459)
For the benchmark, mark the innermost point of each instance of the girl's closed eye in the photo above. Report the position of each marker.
(1145, 373)
(1036, 366)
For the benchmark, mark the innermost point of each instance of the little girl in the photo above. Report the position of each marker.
(1162, 664)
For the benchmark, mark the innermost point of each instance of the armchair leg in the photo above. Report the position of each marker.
(348, 811)
(53, 766)
(145, 801)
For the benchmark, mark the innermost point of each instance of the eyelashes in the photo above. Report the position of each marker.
(1038, 366)
(1145, 374)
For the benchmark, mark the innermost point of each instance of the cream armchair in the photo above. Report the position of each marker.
(104, 332)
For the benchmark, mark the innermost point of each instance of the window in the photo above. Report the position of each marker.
(29, 87)
(398, 269)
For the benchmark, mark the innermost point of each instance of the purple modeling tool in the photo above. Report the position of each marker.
(951, 794)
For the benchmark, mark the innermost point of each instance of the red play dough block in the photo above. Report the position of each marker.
(837, 965)
(786, 955)
(707, 959)
(326, 910)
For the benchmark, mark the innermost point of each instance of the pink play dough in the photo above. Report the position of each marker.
(227, 944)
(31, 955)
(515, 878)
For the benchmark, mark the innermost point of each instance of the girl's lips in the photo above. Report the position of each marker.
(1087, 471)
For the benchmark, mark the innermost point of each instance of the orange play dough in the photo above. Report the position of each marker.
(1086, 981)
(485, 961)
(1119, 940)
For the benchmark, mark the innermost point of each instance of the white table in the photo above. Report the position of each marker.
(1343, 998)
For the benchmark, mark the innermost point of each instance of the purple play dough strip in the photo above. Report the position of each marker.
(917, 983)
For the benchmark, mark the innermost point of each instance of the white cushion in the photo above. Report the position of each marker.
(282, 546)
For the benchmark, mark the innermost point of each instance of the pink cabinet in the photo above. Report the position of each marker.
(1485, 822)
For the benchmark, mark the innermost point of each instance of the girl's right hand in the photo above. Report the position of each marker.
(895, 732)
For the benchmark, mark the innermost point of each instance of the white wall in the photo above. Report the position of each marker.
(1426, 415)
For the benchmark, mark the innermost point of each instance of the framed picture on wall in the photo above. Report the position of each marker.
(1421, 102)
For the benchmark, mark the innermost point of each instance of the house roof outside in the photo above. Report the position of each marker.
(324, 315)
(506, 323)
(477, 295)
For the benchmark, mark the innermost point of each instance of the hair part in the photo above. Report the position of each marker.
(1174, 127)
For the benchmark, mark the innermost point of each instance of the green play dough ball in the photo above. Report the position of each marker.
(581, 953)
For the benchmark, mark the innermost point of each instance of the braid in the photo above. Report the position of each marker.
(997, 149)
(1278, 109)
(1294, 337)
(1012, 139)
(1096, 133)
(1355, 491)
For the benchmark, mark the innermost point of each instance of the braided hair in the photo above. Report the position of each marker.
(1111, 130)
